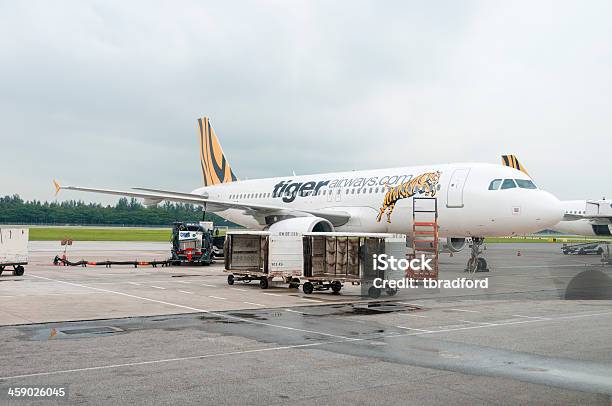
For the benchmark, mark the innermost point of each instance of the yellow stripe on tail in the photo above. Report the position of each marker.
(215, 167)
(512, 161)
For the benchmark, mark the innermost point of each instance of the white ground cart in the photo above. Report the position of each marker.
(263, 256)
(14, 249)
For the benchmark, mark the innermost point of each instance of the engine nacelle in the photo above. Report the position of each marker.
(302, 225)
(453, 244)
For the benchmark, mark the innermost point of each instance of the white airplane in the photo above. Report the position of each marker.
(586, 217)
(581, 217)
(474, 199)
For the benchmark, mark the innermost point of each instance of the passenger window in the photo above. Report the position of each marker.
(508, 184)
(494, 185)
(525, 184)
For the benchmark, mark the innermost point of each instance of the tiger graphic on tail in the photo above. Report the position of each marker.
(424, 184)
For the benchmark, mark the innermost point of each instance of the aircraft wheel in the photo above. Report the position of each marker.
(19, 270)
(308, 288)
(230, 279)
(295, 283)
(374, 292)
(391, 291)
(263, 283)
(336, 286)
(481, 265)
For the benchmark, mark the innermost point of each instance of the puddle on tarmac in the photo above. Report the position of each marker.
(360, 309)
(59, 333)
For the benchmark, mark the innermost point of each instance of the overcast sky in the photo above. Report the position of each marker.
(106, 93)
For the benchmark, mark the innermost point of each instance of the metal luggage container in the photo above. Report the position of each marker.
(333, 259)
(263, 256)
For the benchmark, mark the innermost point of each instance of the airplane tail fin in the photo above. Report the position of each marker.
(512, 161)
(215, 167)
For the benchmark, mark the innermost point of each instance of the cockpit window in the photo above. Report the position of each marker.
(525, 184)
(494, 185)
(508, 184)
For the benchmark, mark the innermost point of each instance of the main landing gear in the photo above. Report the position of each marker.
(476, 263)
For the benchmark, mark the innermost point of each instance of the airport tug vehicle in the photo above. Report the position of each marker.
(192, 243)
(14, 249)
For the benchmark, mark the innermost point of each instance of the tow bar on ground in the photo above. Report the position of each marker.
(61, 261)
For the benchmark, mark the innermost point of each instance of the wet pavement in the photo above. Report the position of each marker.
(182, 336)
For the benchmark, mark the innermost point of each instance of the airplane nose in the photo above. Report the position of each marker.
(546, 209)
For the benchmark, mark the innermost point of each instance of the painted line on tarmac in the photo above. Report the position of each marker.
(271, 294)
(186, 291)
(217, 297)
(415, 329)
(477, 322)
(531, 317)
(207, 285)
(241, 290)
(254, 304)
(166, 360)
(280, 348)
(412, 315)
(412, 304)
(464, 310)
(153, 286)
(195, 309)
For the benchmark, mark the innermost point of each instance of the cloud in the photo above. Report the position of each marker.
(106, 93)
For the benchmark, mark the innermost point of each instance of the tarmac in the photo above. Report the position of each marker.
(539, 334)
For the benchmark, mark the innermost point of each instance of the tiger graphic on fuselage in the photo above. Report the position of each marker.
(425, 184)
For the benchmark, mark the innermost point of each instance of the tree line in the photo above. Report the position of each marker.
(14, 210)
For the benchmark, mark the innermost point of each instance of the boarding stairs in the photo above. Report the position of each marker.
(425, 236)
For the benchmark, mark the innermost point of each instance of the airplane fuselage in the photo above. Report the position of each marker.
(382, 200)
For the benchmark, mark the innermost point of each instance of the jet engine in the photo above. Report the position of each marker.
(302, 225)
(453, 244)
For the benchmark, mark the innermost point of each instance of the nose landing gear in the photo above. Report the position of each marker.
(476, 263)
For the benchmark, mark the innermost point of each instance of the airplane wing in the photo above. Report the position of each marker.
(598, 211)
(594, 217)
(259, 211)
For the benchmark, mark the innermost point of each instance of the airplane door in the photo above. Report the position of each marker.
(338, 194)
(454, 196)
